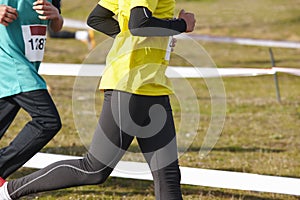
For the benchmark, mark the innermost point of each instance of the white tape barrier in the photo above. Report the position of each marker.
(243, 41)
(71, 23)
(292, 71)
(172, 72)
(59, 69)
(191, 176)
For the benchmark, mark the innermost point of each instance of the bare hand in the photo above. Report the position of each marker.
(189, 19)
(7, 14)
(46, 10)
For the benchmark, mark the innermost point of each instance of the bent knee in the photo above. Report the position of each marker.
(57, 125)
(53, 124)
(50, 125)
(95, 179)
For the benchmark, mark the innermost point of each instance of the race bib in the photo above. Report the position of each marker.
(35, 40)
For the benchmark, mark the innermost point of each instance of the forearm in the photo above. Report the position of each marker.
(56, 24)
(142, 23)
(102, 20)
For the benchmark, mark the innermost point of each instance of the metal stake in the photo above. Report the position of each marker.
(275, 76)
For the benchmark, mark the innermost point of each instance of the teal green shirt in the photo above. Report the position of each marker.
(22, 44)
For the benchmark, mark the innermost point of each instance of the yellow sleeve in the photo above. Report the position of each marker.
(150, 4)
(111, 5)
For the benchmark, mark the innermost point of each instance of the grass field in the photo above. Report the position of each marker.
(259, 135)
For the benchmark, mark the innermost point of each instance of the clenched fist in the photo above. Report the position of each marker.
(189, 19)
(7, 14)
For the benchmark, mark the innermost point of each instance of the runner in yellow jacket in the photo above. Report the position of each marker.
(136, 102)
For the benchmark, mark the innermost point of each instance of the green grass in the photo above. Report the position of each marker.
(260, 135)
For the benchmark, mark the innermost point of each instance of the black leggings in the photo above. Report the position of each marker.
(124, 116)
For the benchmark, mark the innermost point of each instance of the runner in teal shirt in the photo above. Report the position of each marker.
(23, 25)
(23, 76)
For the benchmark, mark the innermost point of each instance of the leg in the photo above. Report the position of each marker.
(94, 168)
(160, 151)
(36, 133)
(8, 111)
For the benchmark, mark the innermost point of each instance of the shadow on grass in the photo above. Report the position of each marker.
(66, 150)
(134, 148)
(80, 150)
(238, 149)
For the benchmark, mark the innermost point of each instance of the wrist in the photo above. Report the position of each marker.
(56, 23)
(183, 25)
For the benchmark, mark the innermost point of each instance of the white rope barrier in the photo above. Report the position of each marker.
(245, 41)
(59, 69)
(191, 176)
(71, 23)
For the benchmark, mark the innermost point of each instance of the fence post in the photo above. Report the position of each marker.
(275, 76)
